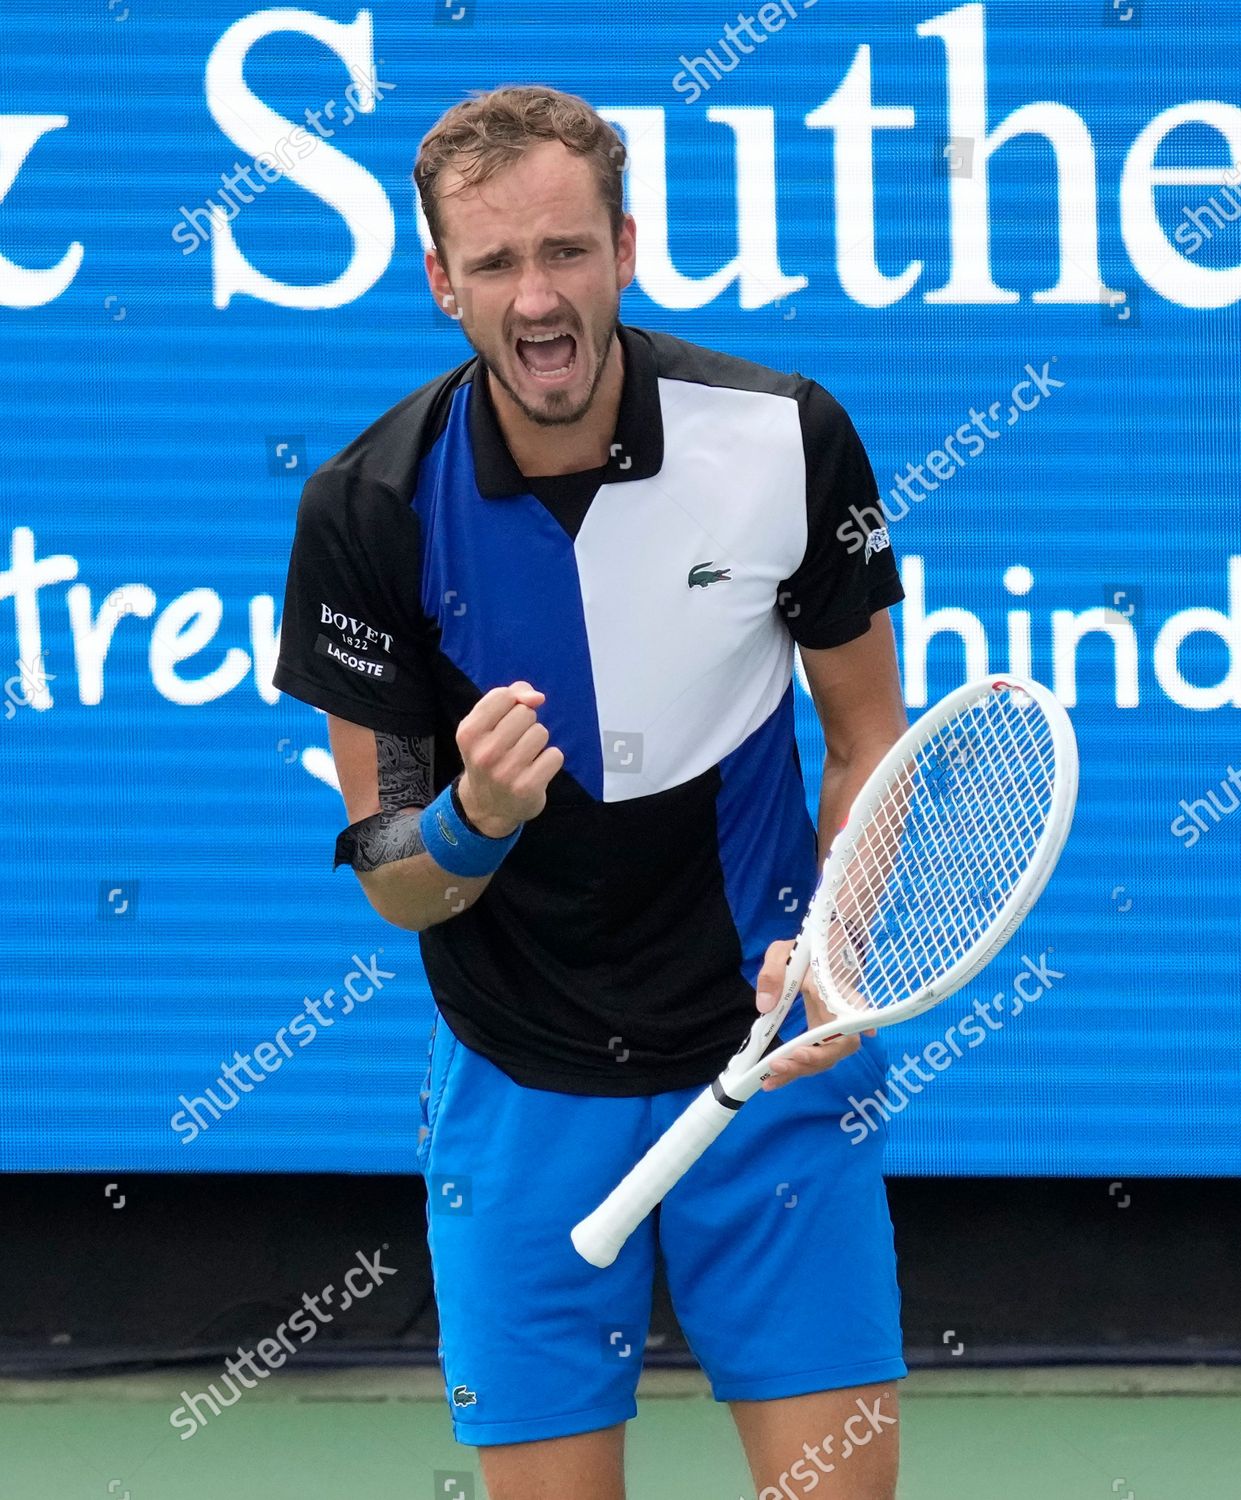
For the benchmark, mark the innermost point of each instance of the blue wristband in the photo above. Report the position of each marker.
(455, 846)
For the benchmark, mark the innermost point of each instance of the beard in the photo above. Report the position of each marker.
(597, 343)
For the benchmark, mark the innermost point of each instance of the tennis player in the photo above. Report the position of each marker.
(549, 603)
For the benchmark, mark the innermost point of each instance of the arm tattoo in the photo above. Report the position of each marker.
(379, 840)
(405, 763)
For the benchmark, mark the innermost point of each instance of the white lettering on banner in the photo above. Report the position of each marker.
(92, 635)
(265, 645)
(22, 582)
(189, 623)
(962, 32)
(184, 628)
(1163, 269)
(755, 267)
(328, 173)
(1066, 629)
(849, 113)
(19, 285)
(919, 628)
(1226, 628)
(853, 119)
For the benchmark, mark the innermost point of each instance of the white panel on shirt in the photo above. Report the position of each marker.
(683, 675)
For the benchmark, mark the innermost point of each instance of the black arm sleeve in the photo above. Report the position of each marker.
(849, 570)
(353, 638)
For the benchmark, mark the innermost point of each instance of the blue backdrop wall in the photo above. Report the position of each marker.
(1002, 236)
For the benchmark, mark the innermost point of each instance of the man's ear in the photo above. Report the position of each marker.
(441, 287)
(626, 252)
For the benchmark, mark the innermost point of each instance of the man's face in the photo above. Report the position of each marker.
(530, 259)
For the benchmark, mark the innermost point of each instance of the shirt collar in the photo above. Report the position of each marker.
(637, 444)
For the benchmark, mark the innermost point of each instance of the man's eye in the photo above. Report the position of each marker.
(571, 250)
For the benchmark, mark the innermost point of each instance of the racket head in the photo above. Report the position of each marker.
(948, 845)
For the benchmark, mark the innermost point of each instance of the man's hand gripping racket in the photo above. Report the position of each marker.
(947, 847)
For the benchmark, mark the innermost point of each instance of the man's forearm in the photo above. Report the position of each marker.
(401, 880)
(416, 893)
(387, 851)
(842, 781)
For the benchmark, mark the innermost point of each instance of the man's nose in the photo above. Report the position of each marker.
(536, 298)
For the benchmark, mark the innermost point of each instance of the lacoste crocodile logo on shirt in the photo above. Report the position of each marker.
(702, 574)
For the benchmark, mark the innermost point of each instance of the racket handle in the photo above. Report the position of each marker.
(600, 1235)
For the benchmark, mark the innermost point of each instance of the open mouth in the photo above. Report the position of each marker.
(548, 356)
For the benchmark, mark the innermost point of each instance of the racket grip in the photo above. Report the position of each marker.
(600, 1235)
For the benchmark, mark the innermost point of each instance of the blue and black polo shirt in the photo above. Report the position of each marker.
(656, 602)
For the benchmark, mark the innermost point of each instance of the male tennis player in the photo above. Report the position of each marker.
(549, 603)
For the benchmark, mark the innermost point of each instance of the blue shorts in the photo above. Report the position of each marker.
(777, 1246)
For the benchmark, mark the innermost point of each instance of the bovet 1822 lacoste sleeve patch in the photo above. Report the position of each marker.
(364, 666)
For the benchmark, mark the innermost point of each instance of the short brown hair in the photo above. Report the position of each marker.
(484, 134)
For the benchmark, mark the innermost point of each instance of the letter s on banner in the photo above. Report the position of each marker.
(328, 173)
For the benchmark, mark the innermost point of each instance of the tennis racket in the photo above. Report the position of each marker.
(948, 845)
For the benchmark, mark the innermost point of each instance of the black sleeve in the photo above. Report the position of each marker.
(353, 639)
(849, 570)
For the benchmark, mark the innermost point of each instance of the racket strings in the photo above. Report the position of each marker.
(997, 813)
(952, 834)
(991, 793)
(962, 854)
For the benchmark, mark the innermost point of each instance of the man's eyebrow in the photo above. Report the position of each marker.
(549, 242)
(559, 241)
(472, 262)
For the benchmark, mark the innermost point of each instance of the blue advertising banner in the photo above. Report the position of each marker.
(1004, 237)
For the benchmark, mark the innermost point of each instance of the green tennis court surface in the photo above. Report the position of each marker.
(383, 1435)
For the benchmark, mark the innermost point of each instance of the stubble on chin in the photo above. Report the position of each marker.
(552, 417)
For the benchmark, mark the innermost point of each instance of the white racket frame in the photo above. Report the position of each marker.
(598, 1238)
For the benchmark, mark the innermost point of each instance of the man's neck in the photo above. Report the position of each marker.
(573, 447)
